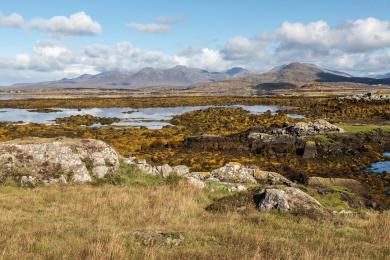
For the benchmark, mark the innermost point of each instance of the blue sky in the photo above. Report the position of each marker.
(210, 34)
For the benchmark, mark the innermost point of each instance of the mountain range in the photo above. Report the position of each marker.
(287, 76)
(177, 77)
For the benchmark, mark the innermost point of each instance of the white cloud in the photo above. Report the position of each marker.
(75, 25)
(13, 20)
(242, 48)
(49, 50)
(352, 36)
(163, 25)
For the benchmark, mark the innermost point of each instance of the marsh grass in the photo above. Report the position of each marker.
(97, 222)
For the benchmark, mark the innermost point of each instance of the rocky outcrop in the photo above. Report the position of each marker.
(368, 97)
(287, 199)
(235, 172)
(34, 161)
(316, 127)
(231, 175)
(238, 173)
(269, 198)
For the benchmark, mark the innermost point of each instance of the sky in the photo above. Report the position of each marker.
(48, 40)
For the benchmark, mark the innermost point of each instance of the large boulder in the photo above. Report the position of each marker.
(234, 172)
(237, 173)
(271, 198)
(35, 161)
(316, 127)
(285, 199)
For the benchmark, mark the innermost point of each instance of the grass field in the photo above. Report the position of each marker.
(98, 222)
(363, 128)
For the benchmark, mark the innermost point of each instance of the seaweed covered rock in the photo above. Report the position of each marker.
(34, 161)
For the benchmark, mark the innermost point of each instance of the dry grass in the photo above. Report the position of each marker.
(96, 222)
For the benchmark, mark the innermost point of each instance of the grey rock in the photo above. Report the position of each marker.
(28, 181)
(196, 182)
(130, 161)
(181, 170)
(271, 178)
(234, 172)
(316, 127)
(200, 175)
(283, 198)
(100, 171)
(42, 159)
(164, 170)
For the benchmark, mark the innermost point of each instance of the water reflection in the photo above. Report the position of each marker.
(380, 167)
(153, 118)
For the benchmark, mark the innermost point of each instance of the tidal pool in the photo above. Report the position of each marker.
(153, 118)
(380, 167)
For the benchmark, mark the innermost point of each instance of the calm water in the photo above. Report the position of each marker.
(153, 118)
(380, 167)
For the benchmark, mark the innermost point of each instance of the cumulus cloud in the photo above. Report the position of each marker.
(76, 24)
(163, 24)
(352, 36)
(13, 20)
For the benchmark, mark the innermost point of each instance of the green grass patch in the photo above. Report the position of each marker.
(363, 128)
(330, 200)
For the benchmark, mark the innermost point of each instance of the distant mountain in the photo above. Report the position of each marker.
(177, 77)
(291, 76)
(384, 76)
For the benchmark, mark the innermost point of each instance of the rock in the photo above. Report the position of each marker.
(344, 212)
(287, 199)
(387, 193)
(100, 171)
(46, 160)
(353, 185)
(213, 179)
(55, 181)
(271, 197)
(200, 175)
(164, 170)
(261, 136)
(237, 188)
(130, 161)
(368, 97)
(316, 127)
(234, 172)
(28, 181)
(181, 170)
(241, 188)
(153, 238)
(271, 178)
(147, 168)
(196, 182)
